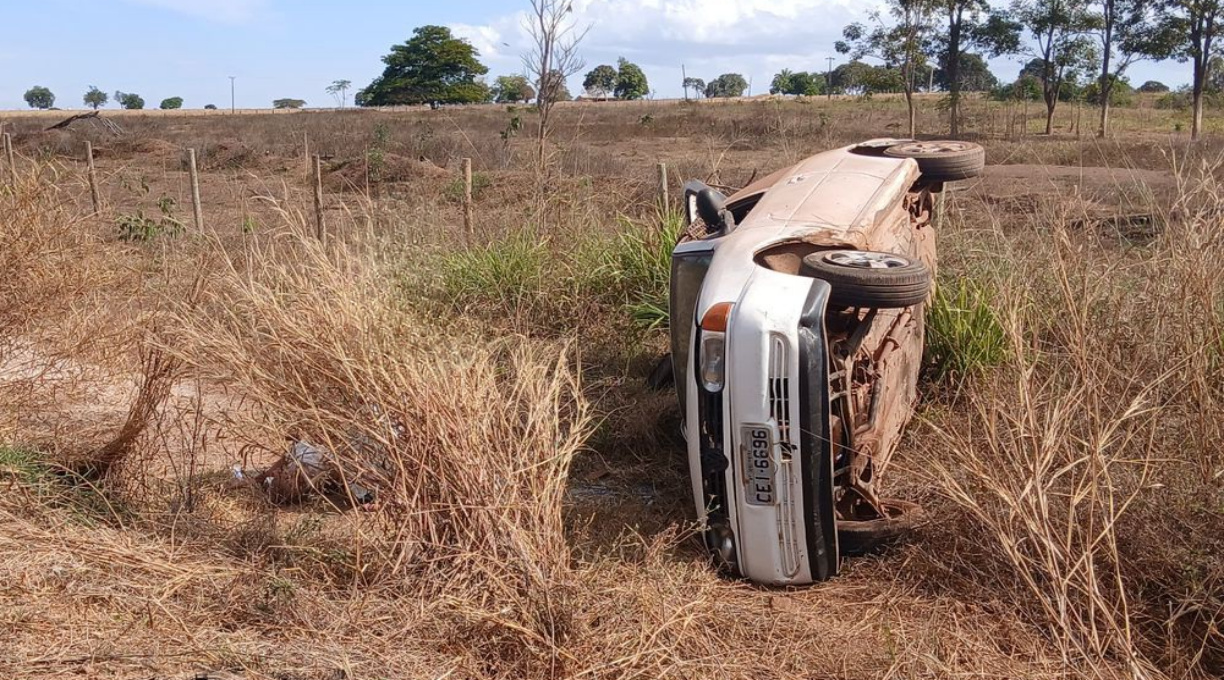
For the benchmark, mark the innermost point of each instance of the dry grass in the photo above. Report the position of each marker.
(531, 516)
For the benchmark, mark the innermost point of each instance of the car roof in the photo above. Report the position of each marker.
(837, 189)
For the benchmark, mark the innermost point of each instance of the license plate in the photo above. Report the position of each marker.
(758, 464)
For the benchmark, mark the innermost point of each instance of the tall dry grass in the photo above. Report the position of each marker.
(465, 439)
(1075, 472)
(1090, 460)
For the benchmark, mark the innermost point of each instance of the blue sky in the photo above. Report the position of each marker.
(294, 48)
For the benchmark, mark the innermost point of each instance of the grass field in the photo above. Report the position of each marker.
(532, 515)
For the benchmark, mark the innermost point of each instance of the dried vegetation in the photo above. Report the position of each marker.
(529, 515)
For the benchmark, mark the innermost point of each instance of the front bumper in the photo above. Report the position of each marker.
(778, 531)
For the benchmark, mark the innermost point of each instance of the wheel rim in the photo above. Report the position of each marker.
(946, 146)
(857, 259)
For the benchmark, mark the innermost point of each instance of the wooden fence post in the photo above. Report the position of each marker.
(306, 155)
(317, 172)
(664, 199)
(93, 178)
(196, 209)
(8, 155)
(468, 226)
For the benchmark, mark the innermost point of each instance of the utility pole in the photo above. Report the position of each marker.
(829, 79)
(232, 110)
(684, 75)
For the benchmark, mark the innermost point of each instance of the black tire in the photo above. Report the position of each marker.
(862, 278)
(943, 161)
(867, 537)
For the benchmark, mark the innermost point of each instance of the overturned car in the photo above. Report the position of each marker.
(797, 337)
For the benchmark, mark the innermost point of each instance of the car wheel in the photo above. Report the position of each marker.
(862, 278)
(944, 161)
(865, 537)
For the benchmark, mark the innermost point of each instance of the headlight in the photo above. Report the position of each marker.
(713, 360)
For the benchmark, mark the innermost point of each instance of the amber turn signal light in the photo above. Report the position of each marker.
(716, 318)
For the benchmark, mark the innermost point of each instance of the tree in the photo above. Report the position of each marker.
(558, 87)
(600, 82)
(432, 66)
(512, 89)
(697, 85)
(39, 97)
(631, 82)
(339, 89)
(553, 58)
(973, 75)
(288, 103)
(1197, 23)
(800, 83)
(971, 24)
(1153, 87)
(95, 98)
(727, 85)
(781, 83)
(1120, 93)
(1058, 33)
(902, 41)
(1128, 30)
(129, 100)
(853, 77)
(171, 103)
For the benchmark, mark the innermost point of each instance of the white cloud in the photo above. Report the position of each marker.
(752, 37)
(225, 11)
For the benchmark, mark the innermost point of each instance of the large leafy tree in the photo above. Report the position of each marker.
(512, 89)
(95, 98)
(130, 100)
(432, 66)
(1197, 23)
(901, 39)
(631, 82)
(797, 82)
(39, 97)
(170, 103)
(600, 81)
(727, 85)
(968, 25)
(807, 84)
(1058, 32)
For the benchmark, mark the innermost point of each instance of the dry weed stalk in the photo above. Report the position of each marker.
(466, 441)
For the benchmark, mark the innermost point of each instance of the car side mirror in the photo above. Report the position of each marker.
(710, 207)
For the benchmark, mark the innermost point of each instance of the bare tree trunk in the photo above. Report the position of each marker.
(1051, 101)
(1200, 79)
(1105, 84)
(913, 112)
(952, 69)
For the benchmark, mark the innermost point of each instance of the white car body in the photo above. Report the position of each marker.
(775, 365)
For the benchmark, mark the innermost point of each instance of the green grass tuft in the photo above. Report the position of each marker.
(964, 333)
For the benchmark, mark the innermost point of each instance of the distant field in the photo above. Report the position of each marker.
(533, 517)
